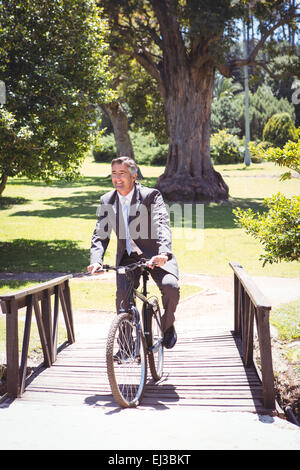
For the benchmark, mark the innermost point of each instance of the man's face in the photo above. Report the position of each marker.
(122, 179)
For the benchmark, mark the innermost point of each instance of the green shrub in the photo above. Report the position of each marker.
(285, 318)
(146, 149)
(225, 148)
(279, 130)
(258, 150)
(104, 149)
(160, 156)
(228, 112)
(277, 229)
(288, 156)
(263, 105)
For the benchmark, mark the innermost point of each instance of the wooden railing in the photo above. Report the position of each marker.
(37, 299)
(250, 304)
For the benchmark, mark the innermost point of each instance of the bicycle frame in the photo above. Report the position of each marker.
(136, 317)
(134, 293)
(143, 346)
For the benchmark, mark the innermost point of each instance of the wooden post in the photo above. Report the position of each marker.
(71, 338)
(266, 357)
(46, 316)
(245, 322)
(236, 304)
(12, 349)
(69, 308)
(55, 321)
(248, 353)
(42, 334)
(25, 346)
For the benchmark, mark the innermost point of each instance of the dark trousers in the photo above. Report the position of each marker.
(166, 282)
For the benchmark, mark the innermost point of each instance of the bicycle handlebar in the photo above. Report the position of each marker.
(143, 263)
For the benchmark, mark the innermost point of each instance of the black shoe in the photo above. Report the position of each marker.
(170, 338)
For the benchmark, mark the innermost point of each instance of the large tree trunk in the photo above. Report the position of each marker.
(3, 181)
(189, 174)
(119, 122)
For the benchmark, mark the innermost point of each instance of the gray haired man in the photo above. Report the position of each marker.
(139, 217)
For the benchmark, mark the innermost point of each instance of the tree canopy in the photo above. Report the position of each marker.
(54, 65)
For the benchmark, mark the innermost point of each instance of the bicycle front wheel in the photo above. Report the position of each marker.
(156, 350)
(126, 361)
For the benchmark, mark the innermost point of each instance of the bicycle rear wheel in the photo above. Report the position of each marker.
(126, 361)
(156, 350)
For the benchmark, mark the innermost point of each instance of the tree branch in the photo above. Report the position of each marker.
(144, 59)
(151, 31)
(198, 59)
(172, 43)
(227, 69)
(262, 41)
(259, 63)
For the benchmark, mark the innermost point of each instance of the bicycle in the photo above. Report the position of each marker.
(132, 338)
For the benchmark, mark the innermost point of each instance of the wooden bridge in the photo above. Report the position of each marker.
(209, 368)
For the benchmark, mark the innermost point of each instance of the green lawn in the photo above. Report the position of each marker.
(286, 319)
(48, 228)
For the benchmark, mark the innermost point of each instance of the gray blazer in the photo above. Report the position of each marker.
(149, 226)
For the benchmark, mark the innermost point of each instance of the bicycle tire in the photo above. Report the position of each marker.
(156, 350)
(126, 361)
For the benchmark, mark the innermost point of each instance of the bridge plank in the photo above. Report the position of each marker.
(204, 369)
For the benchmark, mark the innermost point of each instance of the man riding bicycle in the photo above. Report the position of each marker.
(140, 220)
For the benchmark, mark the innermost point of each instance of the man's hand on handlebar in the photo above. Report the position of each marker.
(158, 260)
(95, 268)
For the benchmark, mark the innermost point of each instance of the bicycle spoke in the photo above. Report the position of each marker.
(156, 351)
(126, 362)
